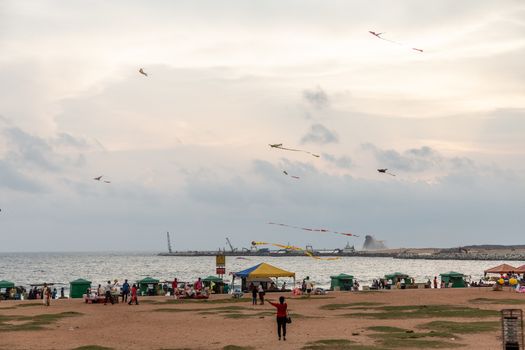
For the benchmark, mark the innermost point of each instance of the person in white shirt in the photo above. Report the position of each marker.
(108, 294)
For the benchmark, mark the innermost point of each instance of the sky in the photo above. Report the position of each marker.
(186, 148)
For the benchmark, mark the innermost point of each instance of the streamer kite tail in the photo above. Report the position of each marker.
(291, 247)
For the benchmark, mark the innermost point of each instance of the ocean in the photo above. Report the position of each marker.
(61, 268)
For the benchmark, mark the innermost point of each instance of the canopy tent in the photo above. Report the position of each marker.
(399, 277)
(396, 276)
(521, 269)
(503, 268)
(262, 270)
(456, 278)
(148, 285)
(215, 283)
(213, 279)
(78, 287)
(341, 282)
(6, 284)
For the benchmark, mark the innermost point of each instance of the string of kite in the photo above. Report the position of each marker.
(294, 248)
(280, 146)
(379, 36)
(348, 234)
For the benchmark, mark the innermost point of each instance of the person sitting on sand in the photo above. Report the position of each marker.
(282, 314)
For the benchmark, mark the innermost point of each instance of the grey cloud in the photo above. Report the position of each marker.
(26, 150)
(65, 139)
(320, 134)
(418, 159)
(343, 162)
(316, 97)
(14, 180)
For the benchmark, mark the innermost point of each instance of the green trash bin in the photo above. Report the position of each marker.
(78, 288)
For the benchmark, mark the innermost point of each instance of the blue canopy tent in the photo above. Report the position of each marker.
(262, 270)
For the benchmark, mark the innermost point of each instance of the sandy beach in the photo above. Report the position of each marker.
(335, 321)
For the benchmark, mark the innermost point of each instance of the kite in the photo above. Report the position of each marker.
(378, 35)
(99, 178)
(292, 176)
(294, 248)
(280, 146)
(384, 171)
(348, 234)
(141, 71)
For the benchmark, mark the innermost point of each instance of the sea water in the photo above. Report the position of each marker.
(61, 268)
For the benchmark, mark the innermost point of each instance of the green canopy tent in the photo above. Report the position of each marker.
(341, 282)
(216, 282)
(6, 284)
(398, 277)
(148, 286)
(456, 278)
(78, 288)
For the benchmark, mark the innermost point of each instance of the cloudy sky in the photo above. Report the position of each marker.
(186, 148)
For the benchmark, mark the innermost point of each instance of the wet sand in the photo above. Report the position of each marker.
(214, 325)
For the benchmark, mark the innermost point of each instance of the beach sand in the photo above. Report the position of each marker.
(158, 323)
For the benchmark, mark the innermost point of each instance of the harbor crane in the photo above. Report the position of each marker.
(230, 244)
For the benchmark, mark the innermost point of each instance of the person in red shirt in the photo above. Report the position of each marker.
(134, 295)
(282, 313)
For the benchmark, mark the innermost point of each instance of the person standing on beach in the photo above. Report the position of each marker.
(46, 293)
(282, 314)
(174, 287)
(309, 286)
(134, 295)
(260, 289)
(125, 291)
(435, 282)
(108, 294)
(253, 289)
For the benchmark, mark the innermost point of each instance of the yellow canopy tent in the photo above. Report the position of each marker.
(262, 270)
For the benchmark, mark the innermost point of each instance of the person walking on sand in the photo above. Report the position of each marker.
(435, 282)
(253, 289)
(134, 295)
(46, 293)
(282, 314)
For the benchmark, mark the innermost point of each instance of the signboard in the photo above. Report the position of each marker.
(220, 260)
(221, 270)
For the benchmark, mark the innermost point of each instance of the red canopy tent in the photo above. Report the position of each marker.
(503, 268)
